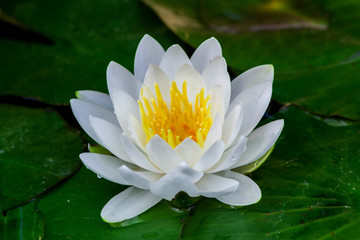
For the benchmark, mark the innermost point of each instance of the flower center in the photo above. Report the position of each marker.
(178, 121)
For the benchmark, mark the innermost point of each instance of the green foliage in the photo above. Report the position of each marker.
(23, 223)
(87, 37)
(328, 91)
(37, 150)
(73, 211)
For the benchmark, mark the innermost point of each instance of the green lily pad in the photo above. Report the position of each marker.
(290, 35)
(329, 91)
(37, 150)
(13, 29)
(22, 223)
(87, 37)
(310, 188)
(73, 211)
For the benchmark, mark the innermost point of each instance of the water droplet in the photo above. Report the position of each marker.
(68, 200)
(99, 176)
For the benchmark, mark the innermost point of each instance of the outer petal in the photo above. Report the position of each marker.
(210, 157)
(105, 166)
(189, 151)
(109, 134)
(216, 74)
(137, 156)
(149, 51)
(208, 50)
(82, 111)
(140, 179)
(161, 154)
(232, 125)
(173, 59)
(253, 76)
(254, 102)
(128, 204)
(119, 77)
(124, 105)
(98, 98)
(211, 185)
(260, 141)
(247, 193)
(194, 81)
(180, 179)
(156, 75)
(230, 156)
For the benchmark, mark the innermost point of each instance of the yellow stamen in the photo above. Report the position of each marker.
(180, 120)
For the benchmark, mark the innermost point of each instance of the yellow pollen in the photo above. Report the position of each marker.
(178, 121)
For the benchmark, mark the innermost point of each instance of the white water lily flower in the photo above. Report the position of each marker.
(177, 124)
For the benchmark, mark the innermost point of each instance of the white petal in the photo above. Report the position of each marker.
(173, 59)
(149, 51)
(156, 75)
(161, 154)
(109, 135)
(104, 166)
(137, 133)
(140, 179)
(82, 111)
(230, 156)
(189, 151)
(119, 77)
(211, 185)
(260, 141)
(214, 133)
(128, 204)
(216, 74)
(208, 50)
(210, 157)
(137, 156)
(247, 193)
(147, 93)
(194, 81)
(180, 179)
(98, 98)
(253, 76)
(217, 102)
(124, 105)
(232, 125)
(254, 102)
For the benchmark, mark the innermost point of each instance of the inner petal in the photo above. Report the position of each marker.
(178, 120)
